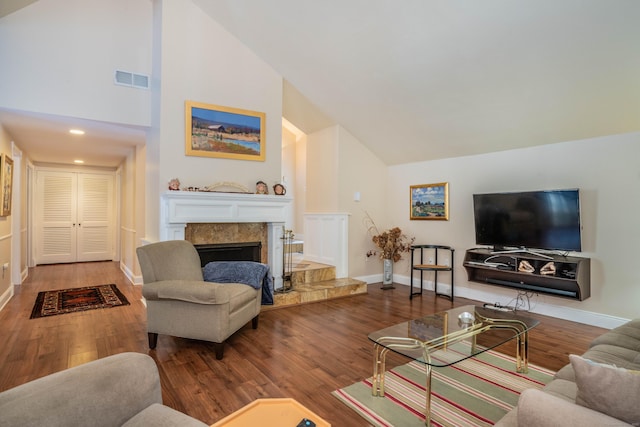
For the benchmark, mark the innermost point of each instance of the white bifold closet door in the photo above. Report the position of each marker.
(74, 213)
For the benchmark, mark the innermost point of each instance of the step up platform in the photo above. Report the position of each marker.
(312, 282)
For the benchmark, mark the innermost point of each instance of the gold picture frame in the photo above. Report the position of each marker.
(429, 201)
(224, 132)
(6, 183)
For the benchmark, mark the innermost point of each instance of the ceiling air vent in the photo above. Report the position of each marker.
(125, 78)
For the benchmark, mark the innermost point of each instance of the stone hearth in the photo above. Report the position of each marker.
(314, 282)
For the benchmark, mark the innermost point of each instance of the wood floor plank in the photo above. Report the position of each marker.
(303, 352)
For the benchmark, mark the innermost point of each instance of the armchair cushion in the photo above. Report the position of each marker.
(186, 290)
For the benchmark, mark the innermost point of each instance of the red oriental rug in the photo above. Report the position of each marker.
(52, 303)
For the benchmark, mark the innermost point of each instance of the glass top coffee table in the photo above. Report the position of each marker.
(446, 338)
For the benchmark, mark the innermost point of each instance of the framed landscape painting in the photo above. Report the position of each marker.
(6, 182)
(224, 132)
(430, 201)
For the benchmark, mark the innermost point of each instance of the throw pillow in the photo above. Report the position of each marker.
(607, 389)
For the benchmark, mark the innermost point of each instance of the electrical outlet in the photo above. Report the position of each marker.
(430, 261)
(446, 262)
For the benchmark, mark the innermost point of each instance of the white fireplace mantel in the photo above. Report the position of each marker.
(178, 208)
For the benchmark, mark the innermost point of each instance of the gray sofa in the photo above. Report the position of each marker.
(589, 391)
(119, 390)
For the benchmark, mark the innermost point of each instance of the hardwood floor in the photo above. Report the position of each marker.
(303, 352)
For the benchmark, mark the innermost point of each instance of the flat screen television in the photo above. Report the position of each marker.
(547, 219)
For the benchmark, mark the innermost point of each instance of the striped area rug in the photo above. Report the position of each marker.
(474, 392)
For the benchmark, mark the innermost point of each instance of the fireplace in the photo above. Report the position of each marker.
(246, 251)
(179, 208)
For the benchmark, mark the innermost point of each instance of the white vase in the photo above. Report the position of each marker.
(387, 274)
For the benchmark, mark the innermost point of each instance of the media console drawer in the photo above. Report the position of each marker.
(557, 275)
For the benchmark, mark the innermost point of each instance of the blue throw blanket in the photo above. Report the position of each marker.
(250, 273)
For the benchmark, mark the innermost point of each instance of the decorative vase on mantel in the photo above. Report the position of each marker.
(387, 273)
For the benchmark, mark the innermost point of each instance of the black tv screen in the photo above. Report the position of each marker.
(533, 219)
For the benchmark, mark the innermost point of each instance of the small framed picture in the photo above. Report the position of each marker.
(6, 183)
(429, 201)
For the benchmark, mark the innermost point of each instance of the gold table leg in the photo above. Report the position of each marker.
(379, 368)
(427, 408)
(522, 353)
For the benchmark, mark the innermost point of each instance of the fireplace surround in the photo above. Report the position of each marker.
(179, 208)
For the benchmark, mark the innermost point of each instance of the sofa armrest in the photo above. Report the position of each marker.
(186, 290)
(105, 392)
(540, 409)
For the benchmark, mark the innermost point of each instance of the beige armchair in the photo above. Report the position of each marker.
(180, 303)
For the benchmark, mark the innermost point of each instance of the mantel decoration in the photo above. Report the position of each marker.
(261, 188)
(391, 244)
(224, 132)
(227, 187)
(174, 184)
(279, 190)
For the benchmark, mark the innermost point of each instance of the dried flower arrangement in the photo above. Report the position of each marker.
(391, 243)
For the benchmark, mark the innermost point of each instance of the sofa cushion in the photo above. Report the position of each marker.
(540, 409)
(604, 353)
(102, 393)
(566, 373)
(614, 355)
(563, 389)
(626, 336)
(162, 416)
(607, 389)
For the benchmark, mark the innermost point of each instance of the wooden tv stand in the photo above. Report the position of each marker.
(571, 279)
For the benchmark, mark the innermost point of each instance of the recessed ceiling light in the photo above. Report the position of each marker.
(76, 131)
(78, 161)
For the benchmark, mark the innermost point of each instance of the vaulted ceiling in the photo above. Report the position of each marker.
(427, 79)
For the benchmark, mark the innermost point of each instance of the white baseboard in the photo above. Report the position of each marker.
(136, 280)
(545, 308)
(6, 297)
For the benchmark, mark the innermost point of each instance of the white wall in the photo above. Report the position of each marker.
(300, 194)
(322, 176)
(200, 61)
(59, 57)
(607, 172)
(127, 215)
(360, 171)
(288, 177)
